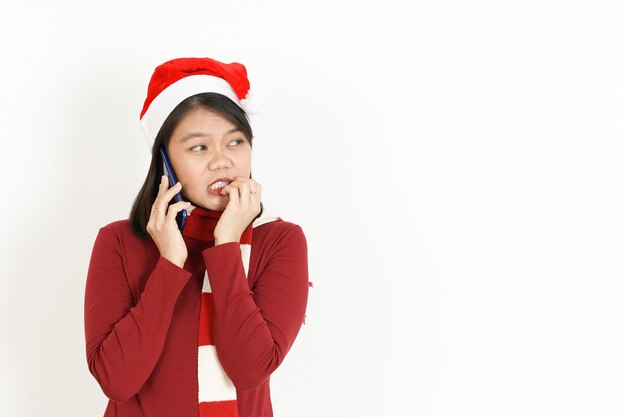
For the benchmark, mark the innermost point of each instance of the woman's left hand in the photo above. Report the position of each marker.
(243, 206)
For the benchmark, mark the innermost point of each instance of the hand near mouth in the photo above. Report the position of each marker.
(243, 206)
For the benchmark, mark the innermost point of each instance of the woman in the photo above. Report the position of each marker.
(193, 323)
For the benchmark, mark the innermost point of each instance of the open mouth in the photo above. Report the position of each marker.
(219, 184)
(217, 187)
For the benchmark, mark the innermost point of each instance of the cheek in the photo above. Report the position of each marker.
(245, 158)
(190, 175)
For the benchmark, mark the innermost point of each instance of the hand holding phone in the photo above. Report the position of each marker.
(162, 225)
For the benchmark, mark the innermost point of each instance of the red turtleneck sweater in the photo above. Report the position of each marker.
(142, 314)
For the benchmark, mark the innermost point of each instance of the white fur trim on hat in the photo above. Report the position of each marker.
(169, 98)
(251, 103)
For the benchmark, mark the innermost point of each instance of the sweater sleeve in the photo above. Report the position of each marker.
(254, 330)
(124, 338)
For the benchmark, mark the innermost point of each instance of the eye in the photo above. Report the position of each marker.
(238, 141)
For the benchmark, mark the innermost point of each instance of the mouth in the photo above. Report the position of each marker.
(217, 186)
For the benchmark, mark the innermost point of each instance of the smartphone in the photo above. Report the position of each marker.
(181, 217)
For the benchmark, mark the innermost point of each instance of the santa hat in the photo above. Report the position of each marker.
(177, 79)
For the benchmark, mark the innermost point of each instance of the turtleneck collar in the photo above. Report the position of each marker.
(201, 223)
(203, 212)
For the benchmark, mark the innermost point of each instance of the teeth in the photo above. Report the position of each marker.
(219, 184)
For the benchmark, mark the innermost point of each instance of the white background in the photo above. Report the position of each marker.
(457, 167)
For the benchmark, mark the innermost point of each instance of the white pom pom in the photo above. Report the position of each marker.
(251, 104)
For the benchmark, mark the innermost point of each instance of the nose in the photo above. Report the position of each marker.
(219, 160)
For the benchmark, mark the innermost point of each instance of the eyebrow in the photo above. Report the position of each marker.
(199, 134)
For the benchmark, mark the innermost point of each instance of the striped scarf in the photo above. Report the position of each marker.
(217, 396)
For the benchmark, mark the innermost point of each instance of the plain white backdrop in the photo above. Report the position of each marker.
(457, 167)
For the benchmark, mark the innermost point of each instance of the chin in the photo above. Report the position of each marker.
(213, 206)
(208, 202)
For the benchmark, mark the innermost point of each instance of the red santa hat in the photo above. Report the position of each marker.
(177, 79)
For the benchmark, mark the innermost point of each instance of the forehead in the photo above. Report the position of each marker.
(203, 123)
(205, 119)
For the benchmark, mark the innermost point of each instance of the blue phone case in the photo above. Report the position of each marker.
(167, 169)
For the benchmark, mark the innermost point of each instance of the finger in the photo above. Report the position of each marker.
(175, 208)
(233, 196)
(239, 181)
(161, 187)
(244, 194)
(163, 200)
(252, 184)
(164, 183)
(226, 190)
(175, 189)
(155, 205)
(255, 199)
(254, 187)
(169, 194)
(249, 189)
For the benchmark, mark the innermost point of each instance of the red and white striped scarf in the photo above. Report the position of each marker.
(217, 396)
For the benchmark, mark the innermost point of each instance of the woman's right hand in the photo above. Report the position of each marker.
(162, 225)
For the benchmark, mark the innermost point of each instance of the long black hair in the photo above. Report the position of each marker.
(218, 103)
